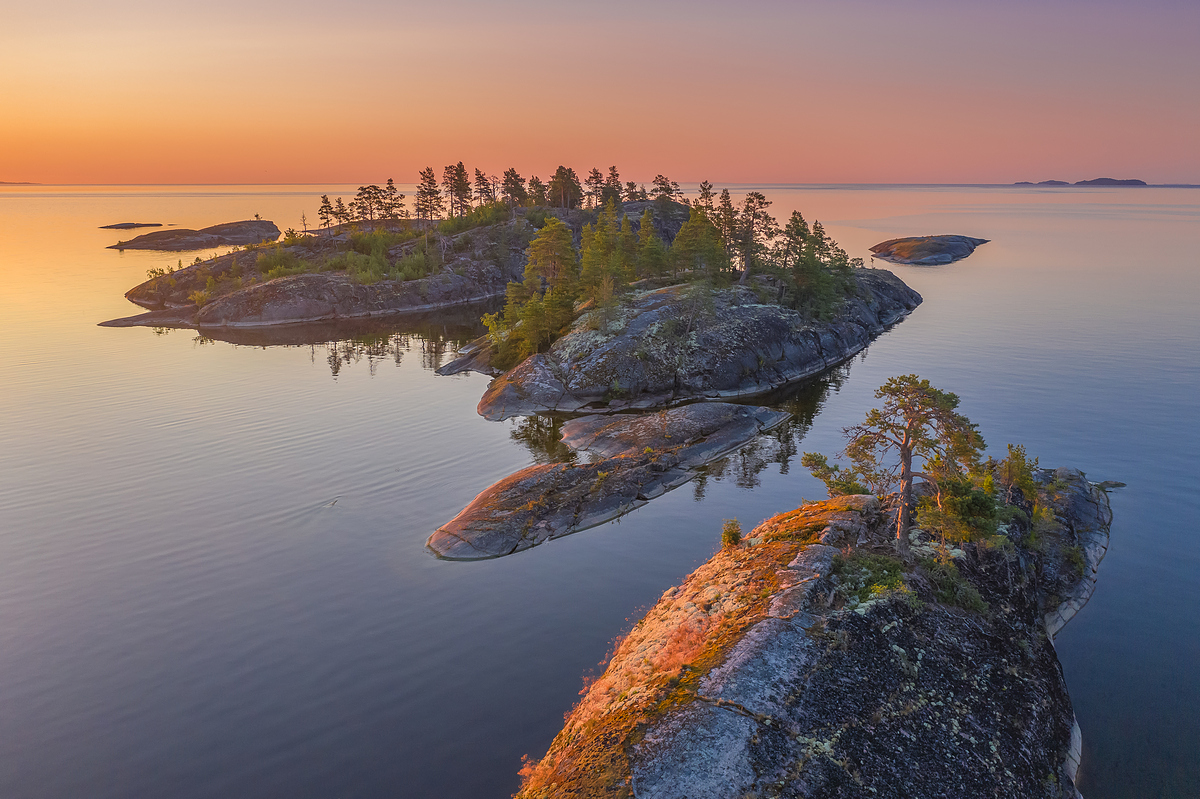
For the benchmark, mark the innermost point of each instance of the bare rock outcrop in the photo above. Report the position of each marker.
(681, 343)
(809, 662)
(927, 250)
(638, 458)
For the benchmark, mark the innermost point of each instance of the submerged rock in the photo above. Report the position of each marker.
(639, 458)
(785, 667)
(228, 234)
(680, 343)
(927, 250)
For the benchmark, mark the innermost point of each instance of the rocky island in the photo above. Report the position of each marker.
(250, 231)
(927, 250)
(807, 660)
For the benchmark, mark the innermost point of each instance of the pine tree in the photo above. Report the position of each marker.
(325, 212)
(514, 188)
(393, 202)
(757, 229)
(461, 184)
(792, 241)
(625, 259)
(595, 187)
(652, 255)
(664, 190)
(537, 192)
(340, 212)
(705, 198)
(551, 255)
(726, 220)
(698, 248)
(565, 190)
(612, 186)
(917, 423)
(483, 188)
(429, 205)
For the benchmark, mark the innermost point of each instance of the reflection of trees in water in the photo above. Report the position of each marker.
(380, 349)
(778, 446)
(542, 436)
(344, 342)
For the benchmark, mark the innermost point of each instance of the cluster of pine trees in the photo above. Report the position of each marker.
(796, 265)
(458, 192)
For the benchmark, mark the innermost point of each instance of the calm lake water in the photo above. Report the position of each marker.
(212, 573)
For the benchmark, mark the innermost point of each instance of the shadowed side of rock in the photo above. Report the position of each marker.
(777, 670)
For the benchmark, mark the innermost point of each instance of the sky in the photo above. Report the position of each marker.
(759, 91)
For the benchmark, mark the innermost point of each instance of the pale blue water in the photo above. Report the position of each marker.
(186, 611)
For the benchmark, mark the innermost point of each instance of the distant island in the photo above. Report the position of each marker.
(18, 183)
(1092, 182)
(130, 225)
(229, 234)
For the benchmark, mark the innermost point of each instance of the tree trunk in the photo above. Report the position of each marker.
(903, 520)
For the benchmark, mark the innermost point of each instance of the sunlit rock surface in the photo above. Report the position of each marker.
(638, 459)
(676, 344)
(774, 670)
(927, 250)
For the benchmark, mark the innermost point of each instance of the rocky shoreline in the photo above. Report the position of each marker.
(806, 662)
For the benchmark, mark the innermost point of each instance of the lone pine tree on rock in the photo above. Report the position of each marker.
(917, 424)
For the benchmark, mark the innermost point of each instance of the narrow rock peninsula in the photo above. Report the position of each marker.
(638, 458)
(680, 343)
(926, 250)
(806, 661)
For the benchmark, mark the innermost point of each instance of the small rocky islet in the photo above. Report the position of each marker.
(227, 234)
(926, 250)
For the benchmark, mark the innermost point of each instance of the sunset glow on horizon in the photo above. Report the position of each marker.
(930, 92)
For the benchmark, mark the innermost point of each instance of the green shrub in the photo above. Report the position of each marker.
(951, 588)
(481, 216)
(863, 576)
(731, 533)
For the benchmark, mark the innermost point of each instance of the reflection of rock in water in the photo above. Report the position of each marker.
(779, 445)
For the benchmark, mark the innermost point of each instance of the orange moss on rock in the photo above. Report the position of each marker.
(659, 665)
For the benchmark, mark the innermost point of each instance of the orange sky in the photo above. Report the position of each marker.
(927, 91)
